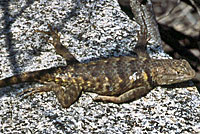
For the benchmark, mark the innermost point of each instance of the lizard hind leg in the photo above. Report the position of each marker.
(60, 49)
(67, 95)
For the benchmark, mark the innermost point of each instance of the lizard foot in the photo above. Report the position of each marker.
(53, 33)
(31, 91)
(112, 99)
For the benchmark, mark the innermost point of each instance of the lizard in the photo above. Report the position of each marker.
(115, 79)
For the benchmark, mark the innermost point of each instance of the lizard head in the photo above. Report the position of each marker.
(174, 71)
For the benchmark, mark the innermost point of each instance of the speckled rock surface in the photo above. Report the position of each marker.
(90, 29)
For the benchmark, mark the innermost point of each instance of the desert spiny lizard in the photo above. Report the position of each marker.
(116, 79)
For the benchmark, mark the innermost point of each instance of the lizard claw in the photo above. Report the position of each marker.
(41, 89)
(30, 90)
(97, 98)
(101, 98)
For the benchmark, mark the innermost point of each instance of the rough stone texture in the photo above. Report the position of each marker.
(90, 29)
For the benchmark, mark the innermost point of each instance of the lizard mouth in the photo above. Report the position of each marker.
(172, 79)
(179, 80)
(192, 74)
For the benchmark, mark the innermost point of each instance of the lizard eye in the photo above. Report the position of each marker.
(179, 72)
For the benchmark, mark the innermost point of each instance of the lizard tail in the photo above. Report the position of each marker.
(24, 77)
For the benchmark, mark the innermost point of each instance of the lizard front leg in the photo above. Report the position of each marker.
(141, 46)
(132, 94)
(60, 49)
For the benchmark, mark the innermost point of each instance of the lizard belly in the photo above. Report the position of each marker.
(114, 86)
(113, 76)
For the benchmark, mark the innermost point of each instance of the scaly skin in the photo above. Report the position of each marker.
(117, 79)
